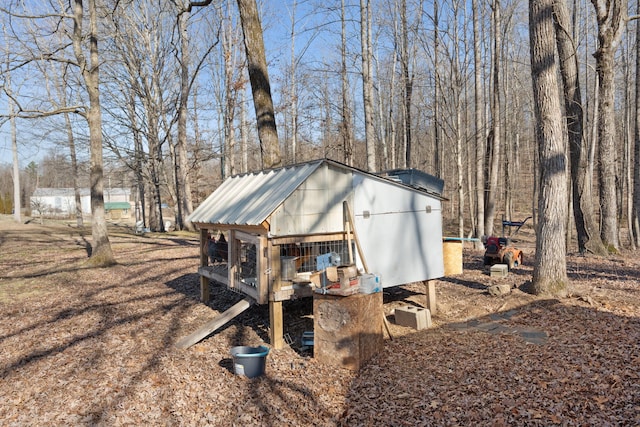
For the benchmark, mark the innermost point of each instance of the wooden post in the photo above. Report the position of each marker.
(430, 291)
(204, 261)
(276, 323)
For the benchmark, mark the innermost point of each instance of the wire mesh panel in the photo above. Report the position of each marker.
(247, 271)
(305, 254)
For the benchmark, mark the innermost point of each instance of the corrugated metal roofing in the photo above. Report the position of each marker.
(250, 199)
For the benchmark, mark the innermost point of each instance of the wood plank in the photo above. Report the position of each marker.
(349, 215)
(205, 295)
(309, 238)
(276, 332)
(430, 291)
(210, 273)
(293, 293)
(211, 326)
(204, 261)
(276, 322)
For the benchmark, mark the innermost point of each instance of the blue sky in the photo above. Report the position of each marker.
(277, 26)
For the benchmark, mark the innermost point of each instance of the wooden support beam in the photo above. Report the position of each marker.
(276, 322)
(276, 331)
(349, 217)
(204, 261)
(205, 296)
(211, 326)
(430, 291)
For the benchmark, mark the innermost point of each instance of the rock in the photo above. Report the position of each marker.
(499, 290)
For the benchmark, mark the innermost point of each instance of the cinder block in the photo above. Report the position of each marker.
(416, 317)
(499, 270)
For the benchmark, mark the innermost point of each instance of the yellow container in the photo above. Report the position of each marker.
(452, 254)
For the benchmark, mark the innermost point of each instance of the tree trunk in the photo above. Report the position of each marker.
(437, 152)
(347, 126)
(584, 216)
(494, 138)
(244, 131)
(550, 271)
(184, 203)
(367, 83)
(17, 205)
(611, 20)
(636, 146)
(479, 122)
(293, 88)
(101, 254)
(407, 81)
(74, 168)
(260, 87)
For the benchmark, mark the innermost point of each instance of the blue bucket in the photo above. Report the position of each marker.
(249, 361)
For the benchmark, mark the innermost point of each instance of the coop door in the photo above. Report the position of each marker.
(247, 266)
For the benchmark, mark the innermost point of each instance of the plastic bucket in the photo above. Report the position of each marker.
(249, 361)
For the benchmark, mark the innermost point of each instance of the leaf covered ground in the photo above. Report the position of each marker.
(87, 346)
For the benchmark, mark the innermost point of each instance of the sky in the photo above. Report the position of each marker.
(276, 17)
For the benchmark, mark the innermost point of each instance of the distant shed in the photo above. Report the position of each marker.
(280, 220)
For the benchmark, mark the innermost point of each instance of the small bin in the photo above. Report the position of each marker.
(452, 256)
(249, 361)
(370, 283)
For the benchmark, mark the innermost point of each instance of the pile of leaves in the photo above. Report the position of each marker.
(87, 346)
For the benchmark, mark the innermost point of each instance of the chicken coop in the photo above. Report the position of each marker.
(277, 224)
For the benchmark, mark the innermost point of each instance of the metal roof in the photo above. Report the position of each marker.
(249, 199)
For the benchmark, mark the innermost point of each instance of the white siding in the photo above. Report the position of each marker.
(400, 239)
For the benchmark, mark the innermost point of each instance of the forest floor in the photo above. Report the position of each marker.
(87, 346)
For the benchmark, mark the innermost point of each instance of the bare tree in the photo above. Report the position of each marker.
(493, 141)
(611, 17)
(478, 116)
(7, 86)
(80, 40)
(586, 225)
(346, 125)
(260, 86)
(550, 271)
(367, 83)
(636, 146)
(101, 254)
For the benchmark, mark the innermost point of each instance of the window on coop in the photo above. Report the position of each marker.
(305, 254)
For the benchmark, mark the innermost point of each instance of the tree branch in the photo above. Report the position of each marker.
(46, 15)
(38, 114)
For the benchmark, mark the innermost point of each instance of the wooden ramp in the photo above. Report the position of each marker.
(211, 326)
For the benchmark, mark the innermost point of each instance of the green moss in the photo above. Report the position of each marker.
(612, 250)
(101, 260)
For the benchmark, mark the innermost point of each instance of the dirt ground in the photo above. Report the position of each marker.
(83, 346)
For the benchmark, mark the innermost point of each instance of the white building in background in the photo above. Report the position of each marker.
(61, 202)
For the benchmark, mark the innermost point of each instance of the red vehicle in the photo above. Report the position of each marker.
(499, 251)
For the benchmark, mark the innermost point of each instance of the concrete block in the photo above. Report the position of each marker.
(499, 270)
(416, 317)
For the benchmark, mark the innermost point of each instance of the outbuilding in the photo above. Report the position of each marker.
(278, 224)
